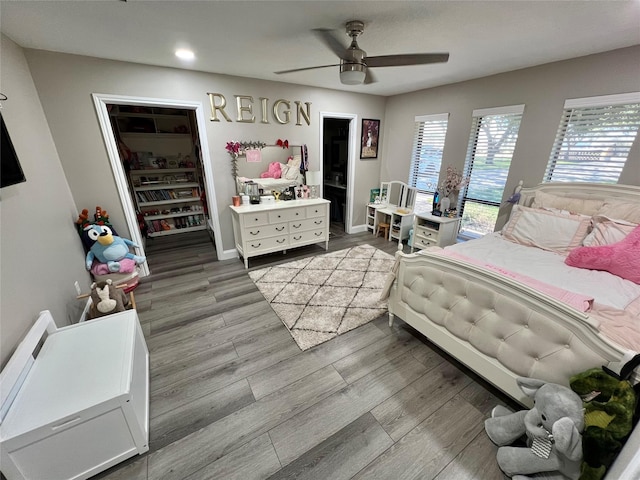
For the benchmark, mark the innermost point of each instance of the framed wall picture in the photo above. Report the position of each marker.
(369, 140)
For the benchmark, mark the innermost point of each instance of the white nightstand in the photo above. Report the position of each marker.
(432, 231)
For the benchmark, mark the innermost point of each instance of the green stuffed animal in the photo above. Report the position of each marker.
(609, 407)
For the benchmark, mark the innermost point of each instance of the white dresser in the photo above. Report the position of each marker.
(432, 231)
(82, 405)
(267, 228)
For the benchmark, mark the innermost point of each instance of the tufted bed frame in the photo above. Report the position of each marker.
(530, 333)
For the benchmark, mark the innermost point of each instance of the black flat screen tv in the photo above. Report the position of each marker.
(11, 172)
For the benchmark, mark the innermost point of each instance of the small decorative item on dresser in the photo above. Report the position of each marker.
(236, 200)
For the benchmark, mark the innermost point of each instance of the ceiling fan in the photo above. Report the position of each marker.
(354, 62)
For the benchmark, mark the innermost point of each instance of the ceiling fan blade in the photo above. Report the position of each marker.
(306, 68)
(370, 78)
(329, 38)
(409, 59)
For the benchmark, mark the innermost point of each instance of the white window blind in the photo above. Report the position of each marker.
(426, 157)
(494, 133)
(594, 139)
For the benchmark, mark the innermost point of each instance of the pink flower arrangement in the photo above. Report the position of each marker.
(453, 182)
(233, 148)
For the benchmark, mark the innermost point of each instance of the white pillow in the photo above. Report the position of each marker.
(582, 206)
(546, 230)
(606, 231)
(620, 210)
(290, 172)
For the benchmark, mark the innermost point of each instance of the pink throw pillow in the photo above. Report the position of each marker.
(621, 258)
(274, 171)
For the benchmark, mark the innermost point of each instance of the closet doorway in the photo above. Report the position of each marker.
(162, 168)
(338, 154)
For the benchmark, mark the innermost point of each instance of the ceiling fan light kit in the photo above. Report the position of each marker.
(352, 73)
(354, 63)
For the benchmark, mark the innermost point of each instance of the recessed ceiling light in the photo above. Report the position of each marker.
(185, 54)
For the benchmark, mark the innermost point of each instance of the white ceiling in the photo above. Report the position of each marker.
(256, 38)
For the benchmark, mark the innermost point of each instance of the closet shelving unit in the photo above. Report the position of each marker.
(165, 186)
(164, 199)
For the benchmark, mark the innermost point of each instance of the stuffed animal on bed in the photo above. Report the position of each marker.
(609, 406)
(274, 171)
(553, 429)
(108, 248)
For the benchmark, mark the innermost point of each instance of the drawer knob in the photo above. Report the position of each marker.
(297, 213)
(281, 241)
(297, 238)
(318, 234)
(297, 226)
(318, 222)
(255, 233)
(256, 246)
(279, 229)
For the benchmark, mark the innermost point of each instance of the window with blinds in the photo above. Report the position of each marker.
(594, 139)
(494, 132)
(426, 156)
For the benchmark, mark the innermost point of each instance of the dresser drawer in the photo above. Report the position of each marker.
(316, 211)
(424, 242)
(286, 215)
(264, 231)
(307, 236)
(257, 218)
(270, 243)
(308, 224)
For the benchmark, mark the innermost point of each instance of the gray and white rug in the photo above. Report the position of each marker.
(318, 298)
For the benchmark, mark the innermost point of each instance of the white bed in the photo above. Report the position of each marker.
(502, 326)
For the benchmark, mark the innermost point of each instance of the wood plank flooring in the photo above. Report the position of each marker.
(233, 397)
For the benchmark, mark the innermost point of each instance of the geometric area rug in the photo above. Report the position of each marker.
(321, 297)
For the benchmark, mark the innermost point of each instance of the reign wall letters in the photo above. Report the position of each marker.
(280, 110)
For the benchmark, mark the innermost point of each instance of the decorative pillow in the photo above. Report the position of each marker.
(291, 172)
(606, 231)
(620, 210)
(274, 171)
(546, 230)
(295, 161)
(583, 206)
(621, 258)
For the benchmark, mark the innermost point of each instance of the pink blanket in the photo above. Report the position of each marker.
(575, 300)
(126, 266)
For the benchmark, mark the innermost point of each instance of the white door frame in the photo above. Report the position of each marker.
(351, 165)
(100, 102)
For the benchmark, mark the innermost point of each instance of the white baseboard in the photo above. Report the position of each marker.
(229, 254)
(359, 229)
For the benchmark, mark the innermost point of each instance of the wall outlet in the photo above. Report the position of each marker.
(77, 285)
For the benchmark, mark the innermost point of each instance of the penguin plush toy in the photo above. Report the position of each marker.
(108, 248)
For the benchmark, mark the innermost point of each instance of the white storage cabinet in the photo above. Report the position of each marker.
(267, 228)
(82, 405)
(432, 231)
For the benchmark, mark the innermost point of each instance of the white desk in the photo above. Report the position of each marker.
(399, 219)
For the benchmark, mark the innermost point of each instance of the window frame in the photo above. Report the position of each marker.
(419, 132)
(581, 108)
(477, 117)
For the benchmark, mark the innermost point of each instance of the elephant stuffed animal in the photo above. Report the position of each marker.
(553, 428)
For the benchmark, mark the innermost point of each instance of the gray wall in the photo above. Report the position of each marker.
(54, 126)
(65, 84)
(40, 252)
(542, 89)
